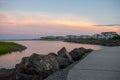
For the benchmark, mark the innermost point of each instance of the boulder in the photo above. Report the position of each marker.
(6, 74)
(63, 62)
(89, 50)
(38, 67)
(64, 53)
(77, 53)
(82, 50)
(38, 64)
(52, 54)
(21, 66)
(22, 76)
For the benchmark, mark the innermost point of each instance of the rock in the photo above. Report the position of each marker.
(82, 50)
(52, 54)
(103, 42)
(21, 66)
(77, 53)
(22, 76)
(62, 58)
(64, 53)
(6, 74)
(63, 62)
(89, 50)
(38, 67)
(38, 64)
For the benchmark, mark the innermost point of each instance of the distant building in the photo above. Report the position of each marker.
(60, 37)
(108, 35)
(85, 36)
(53, 38)
(71, 36)
(105, 35)
(96, 36)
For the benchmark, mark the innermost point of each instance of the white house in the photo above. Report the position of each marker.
(108, 35)
(71, 36)
(105, 35)
(85, 36)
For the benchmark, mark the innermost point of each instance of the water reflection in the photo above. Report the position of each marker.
(40, 47)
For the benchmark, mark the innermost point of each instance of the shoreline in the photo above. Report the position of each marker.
(96, 42)
(28, 68)
(59, 75)
(8, 47)
(81, 41)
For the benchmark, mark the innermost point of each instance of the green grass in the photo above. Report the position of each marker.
(6, 47)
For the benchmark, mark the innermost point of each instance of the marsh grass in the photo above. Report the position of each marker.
(6, 47)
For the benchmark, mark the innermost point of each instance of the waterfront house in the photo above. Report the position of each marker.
(72, 36)
(85, 36)
(105, 35)
(108, 35)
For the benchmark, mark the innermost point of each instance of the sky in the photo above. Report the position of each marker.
(35, 18)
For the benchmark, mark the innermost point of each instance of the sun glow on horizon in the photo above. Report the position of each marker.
(35, 22)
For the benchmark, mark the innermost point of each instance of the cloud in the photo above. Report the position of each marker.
(109, 25)
(37, 18)
(32, 23)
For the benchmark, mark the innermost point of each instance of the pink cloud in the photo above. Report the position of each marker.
(33, 23)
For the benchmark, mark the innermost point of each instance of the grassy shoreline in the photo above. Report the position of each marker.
(7, 47)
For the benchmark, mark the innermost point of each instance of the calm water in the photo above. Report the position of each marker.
(40, 47)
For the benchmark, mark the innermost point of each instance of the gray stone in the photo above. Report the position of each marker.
(64, 53)
(6, 74)
(21, 66)
(52, 54)
(77, 53)
(22, 76)
(63, 62)
(38, 64)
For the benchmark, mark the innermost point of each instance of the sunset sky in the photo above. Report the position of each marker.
(35, 18)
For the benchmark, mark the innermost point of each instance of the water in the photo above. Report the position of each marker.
(39, 47)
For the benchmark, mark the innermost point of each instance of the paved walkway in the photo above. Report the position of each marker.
(99, 65)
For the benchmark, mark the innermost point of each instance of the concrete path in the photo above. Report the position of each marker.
(99, 65)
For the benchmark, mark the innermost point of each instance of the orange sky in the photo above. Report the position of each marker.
(19, 22)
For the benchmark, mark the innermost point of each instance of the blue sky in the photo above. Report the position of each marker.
(95, 12)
